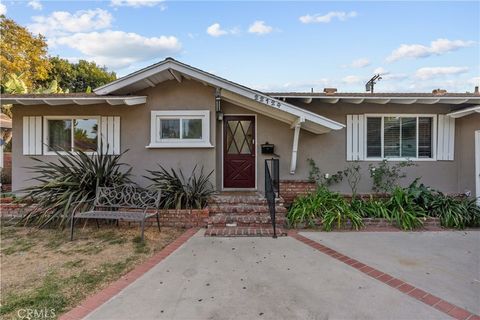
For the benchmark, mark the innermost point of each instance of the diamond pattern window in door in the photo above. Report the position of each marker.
(239, 137)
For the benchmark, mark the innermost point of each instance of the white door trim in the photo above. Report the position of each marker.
(256, 153)
(477, 166)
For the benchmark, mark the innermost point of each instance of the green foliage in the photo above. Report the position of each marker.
(329, 207)
(179, 192)
(404, 211)
(385, 176)
(77, 77)
(14, 84)
(371, 208)
(68, 183)
(22, 53)
(353, 176)
(322, 180)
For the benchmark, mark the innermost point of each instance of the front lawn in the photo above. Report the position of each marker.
(42, 270)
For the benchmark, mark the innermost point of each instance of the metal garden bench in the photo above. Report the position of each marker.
(126, 203)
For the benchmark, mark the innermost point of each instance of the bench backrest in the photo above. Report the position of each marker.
(127, 196)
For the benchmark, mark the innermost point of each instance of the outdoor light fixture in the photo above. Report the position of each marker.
(218, 105)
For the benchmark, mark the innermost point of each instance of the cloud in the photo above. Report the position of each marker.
(360, 63)
(352, 80)
(327, 18)
(138, 3)
(437, 47)
(62, 22)
(260, 28)
(118, 49)
(35, 4)
(215, 30)
(435, 72)
(3, 9)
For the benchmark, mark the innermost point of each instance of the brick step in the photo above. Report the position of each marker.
(243, 232)
(241, 200)
(223, 220)
(245, 209)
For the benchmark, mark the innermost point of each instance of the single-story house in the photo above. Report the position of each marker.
(180, 116)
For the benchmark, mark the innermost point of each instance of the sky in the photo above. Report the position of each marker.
(272, 45)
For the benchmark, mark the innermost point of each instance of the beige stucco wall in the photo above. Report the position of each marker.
(328, 150)
(135, 130)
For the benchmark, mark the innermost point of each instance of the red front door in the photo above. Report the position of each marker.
(239, 152)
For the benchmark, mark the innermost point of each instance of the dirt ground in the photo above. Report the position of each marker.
(43, 269)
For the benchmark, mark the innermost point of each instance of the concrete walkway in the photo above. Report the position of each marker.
(444, 263)
(258, 278)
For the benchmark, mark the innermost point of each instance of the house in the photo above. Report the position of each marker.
(179, 116)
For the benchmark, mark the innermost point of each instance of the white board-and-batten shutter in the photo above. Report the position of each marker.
(32, 135)
(355, 137)
(445, 137)
(110, 134)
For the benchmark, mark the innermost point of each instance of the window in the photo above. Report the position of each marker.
(401, 137)
(71, 133)
(180, 129)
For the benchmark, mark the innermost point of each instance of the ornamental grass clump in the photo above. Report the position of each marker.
(180, 192)
(68, 183)
(328, 207)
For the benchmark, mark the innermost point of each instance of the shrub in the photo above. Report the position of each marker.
(371, 208)
(322, 180)
(69, 182)
(385, 176)
(330, 207)
(403, 209)
(179, 192)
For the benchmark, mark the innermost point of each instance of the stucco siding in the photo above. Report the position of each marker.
(135, 130)
(328, 150)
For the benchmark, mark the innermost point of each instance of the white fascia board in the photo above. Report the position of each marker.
(464, 112)
(381, 100)
(74, 100)
(215, 81)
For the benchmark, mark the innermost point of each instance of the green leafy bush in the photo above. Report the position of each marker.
(385, 176)
(371, 208)
(404, 211)
(69, 182)
(179, 192)
(328, 207)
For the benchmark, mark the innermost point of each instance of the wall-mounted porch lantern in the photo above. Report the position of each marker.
(218, 105)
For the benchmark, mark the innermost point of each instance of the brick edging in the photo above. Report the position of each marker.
(404, 287)
(99, 298)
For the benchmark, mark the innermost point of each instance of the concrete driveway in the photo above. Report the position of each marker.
(444, 263)
(264, 278)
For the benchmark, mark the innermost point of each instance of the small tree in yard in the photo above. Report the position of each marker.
(68, 183)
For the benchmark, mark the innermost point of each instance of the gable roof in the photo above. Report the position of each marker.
(171, 69)
(58, 99)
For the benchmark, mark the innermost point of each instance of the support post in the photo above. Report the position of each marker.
(296, 135)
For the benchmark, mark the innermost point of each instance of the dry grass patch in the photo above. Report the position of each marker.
(41, 269)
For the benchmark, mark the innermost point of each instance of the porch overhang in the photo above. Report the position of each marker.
(464, 112)
(29, 100)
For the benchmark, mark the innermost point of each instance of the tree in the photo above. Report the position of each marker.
(77, 77)
(22, 53)
(89, 74)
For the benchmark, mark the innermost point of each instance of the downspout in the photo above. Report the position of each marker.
(296, 135)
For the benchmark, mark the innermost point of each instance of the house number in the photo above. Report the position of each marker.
(267, 101)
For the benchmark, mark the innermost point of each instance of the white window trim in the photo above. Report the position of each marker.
(46, 137)
(402, 115)
(180, 143)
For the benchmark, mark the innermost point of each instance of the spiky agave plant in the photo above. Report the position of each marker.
(69, 182)
(180, 192)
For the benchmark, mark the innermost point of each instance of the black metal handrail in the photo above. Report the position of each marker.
(272, 188)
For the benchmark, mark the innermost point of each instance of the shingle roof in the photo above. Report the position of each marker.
(369, 95)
